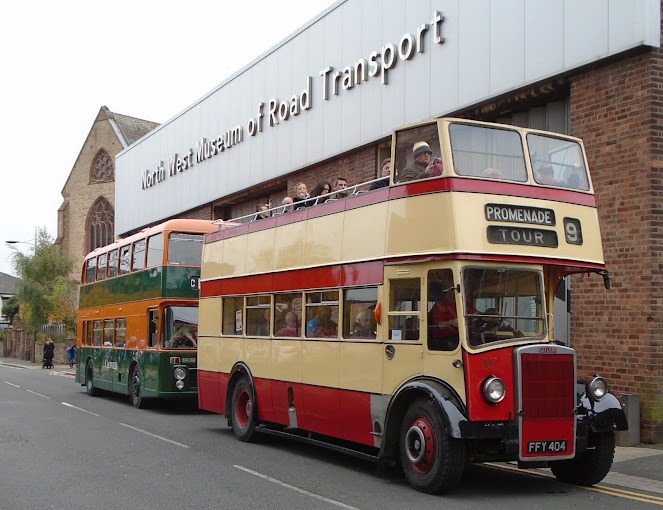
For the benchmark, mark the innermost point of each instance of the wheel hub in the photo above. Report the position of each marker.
(420, 445)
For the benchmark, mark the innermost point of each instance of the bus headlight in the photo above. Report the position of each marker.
(179, 385)
(494, 390)
(180, 373)
(597, 388)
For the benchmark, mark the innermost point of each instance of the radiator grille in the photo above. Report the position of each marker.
(548, 386)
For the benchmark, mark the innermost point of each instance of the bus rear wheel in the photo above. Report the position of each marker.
(89, 380)
(242, 410)
(136, 388)
(590, 466)
(432, 461)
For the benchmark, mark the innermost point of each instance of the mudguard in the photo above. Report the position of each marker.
(603, 415)
(238, 370)
(454, 410)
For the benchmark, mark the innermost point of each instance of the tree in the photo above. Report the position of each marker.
(10, 308)
(39, 285)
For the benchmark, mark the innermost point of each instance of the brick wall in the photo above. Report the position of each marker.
(616, 110)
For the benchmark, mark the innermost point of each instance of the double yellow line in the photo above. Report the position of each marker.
(604, 489)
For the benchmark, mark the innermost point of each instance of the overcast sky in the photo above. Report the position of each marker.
(62, 61)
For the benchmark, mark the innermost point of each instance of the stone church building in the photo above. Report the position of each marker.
(86, 218)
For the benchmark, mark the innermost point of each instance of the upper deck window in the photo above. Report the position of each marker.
(418, 154)
(90, 269)
(155, 250)
(486, 152)
(185, 249)
(557, 162)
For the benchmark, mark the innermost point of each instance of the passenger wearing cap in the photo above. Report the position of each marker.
(423, 165)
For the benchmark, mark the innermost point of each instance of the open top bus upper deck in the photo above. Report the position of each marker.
(498, 192)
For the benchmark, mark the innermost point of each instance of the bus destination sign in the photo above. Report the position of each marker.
(520, 214)
(522, 236)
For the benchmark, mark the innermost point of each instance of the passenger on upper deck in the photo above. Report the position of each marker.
(321, 325)
(386, 173)
(262, 212)
(340, 186)
(301, 197)
(322, 188)
(423, 166)
(287, 205)
(545, 174)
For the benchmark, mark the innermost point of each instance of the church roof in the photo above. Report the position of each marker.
(8, 284)
(129, 129)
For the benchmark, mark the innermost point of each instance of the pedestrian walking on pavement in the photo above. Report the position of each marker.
(49, 350)
(71, 355)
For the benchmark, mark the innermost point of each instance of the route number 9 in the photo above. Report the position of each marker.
(572, 231)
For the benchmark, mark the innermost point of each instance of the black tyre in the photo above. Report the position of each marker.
(89, 379)
(432, 461)
(136, 388)
(590, 466)
(243, 411)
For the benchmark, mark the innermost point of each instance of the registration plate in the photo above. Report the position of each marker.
(536, 447)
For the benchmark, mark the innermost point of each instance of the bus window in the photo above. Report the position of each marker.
(153, 326)
(231, 323)
(155, 250)
(124, 259)
(288, 314)
(511, 304)
(120, 333)
(410, 144)
(180, 327)
(87, 333)
(112, 264)
(557, 162)
(101, 267)
(404, 305)
(109, 326)
(138, 262)
(98, 332)
(442, 314)
(322, 314)
(185, 249)
(359, 313)
(90, 269)
(487, 152)
(258, 309)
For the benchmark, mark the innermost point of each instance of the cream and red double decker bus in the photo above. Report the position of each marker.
(413, 322)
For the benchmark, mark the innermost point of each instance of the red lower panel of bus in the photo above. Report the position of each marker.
(333, 412)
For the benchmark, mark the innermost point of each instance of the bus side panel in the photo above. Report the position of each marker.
(356, 420)
(212, 391)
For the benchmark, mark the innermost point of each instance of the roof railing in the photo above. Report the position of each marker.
(349, 192)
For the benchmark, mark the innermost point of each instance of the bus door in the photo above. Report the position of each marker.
(109, 367)
(402, 325)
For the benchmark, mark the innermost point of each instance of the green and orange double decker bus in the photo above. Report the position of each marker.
(413, 322)
(138, 313)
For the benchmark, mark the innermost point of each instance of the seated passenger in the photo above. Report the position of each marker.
(423, 166)
(545, 174)
(261, 212)
(340, 186)
(291, 327)
(301, 197)
(493, 173)
(322, 188)
(443, 318)
(386, 174)
(321, 325)
(365, 325)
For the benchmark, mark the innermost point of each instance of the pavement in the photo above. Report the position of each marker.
(638, 468)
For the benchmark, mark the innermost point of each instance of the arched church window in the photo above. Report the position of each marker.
(102, 169)
(100, 224)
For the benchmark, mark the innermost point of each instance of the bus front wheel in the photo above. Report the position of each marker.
(432, 461)
(89, 381)
(243, 416)
(590, 466)
(136, 388)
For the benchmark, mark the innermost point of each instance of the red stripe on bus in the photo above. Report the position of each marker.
(344, 275)
(335, 412)
(573, 265)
